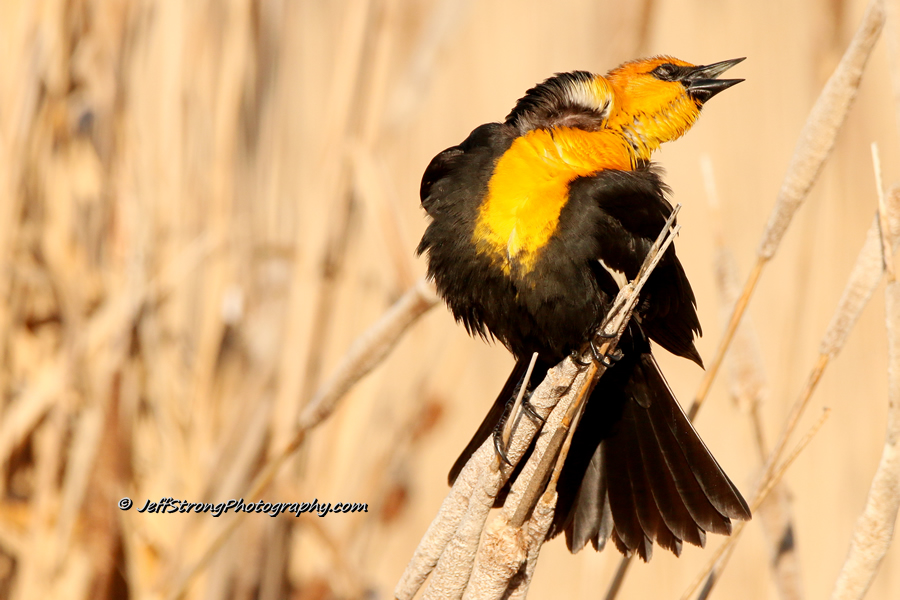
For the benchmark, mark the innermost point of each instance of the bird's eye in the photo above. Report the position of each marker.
(666, 72)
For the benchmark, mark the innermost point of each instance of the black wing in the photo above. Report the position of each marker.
(633, 211)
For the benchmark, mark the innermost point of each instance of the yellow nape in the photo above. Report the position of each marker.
(530, 187)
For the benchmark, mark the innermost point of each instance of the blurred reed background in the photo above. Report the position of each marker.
(205, 203)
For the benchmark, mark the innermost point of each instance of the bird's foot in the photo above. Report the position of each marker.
(508, 421)
(611, 358)
(607, 359)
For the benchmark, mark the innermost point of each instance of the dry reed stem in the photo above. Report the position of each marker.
(367, 352)
(536, 534)
(551, 395)
(618, 579)
(884, 219)
(516, 413)
(875, 526)
(363, 28)
(180, 586)
(449, 548)
(813, 147)
(748, 379)
(822, 125)
(748, 387)
(513, 539)
(333, 186)
(373, 28)
(867, 272)
(859, 288)
(776, 518)
(228, 93)
(451, 574)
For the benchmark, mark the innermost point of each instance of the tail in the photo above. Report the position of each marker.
(637, 471)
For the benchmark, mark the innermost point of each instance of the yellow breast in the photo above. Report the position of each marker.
(530, 186)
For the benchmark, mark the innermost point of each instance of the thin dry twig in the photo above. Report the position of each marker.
(618, 579)
(516, 413)
(748, 385)
(867, 272)
(884, 228)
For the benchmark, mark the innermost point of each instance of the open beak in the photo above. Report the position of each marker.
(701, 82)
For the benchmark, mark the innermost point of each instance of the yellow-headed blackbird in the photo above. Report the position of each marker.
(536, 222)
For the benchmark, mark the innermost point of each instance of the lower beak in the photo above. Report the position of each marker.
(701, 82)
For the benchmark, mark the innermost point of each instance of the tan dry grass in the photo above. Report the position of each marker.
(176, 177)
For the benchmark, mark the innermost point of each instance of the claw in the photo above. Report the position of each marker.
(528, 409)
(576, 358)
(605, 359)
(498, 441)
(609, 359)
(508, 421)
(498, 446)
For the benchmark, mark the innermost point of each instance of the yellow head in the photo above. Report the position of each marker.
(657, 100)
(646, 102)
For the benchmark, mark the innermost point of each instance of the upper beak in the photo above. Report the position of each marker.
(701, 82)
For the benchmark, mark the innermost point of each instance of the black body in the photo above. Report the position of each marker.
(637, 471)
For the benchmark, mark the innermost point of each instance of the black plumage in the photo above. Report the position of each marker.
(637, 471)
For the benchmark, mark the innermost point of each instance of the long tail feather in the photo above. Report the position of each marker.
(637, 472)
(660, 482)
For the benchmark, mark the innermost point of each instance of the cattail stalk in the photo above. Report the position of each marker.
(875, 527)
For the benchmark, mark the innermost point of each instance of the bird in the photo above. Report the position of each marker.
(535, 225)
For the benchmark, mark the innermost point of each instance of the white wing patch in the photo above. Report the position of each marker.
(618, 276)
